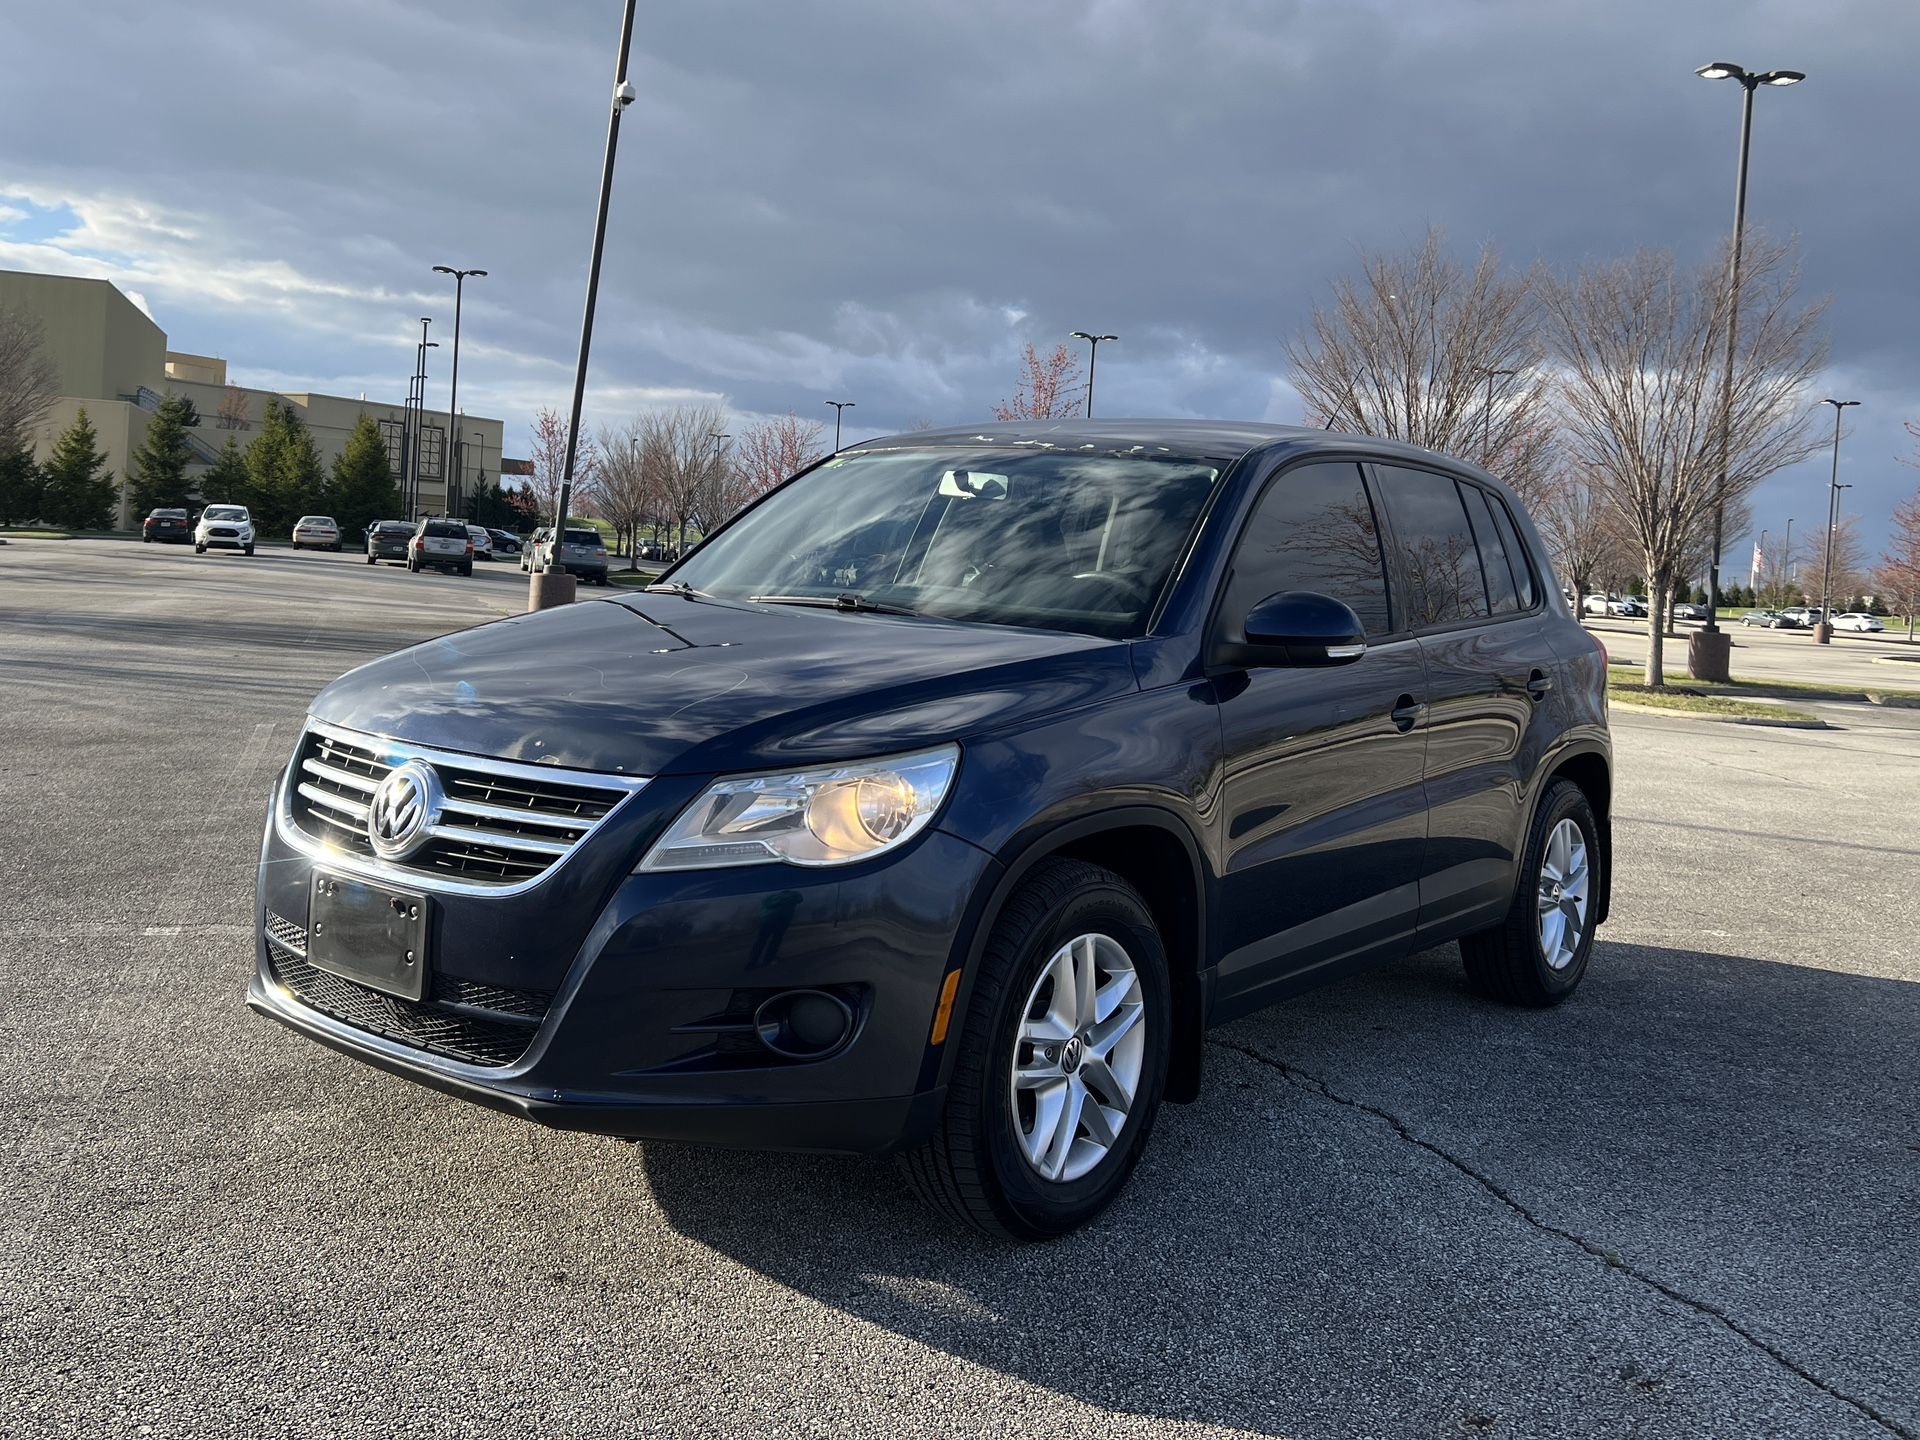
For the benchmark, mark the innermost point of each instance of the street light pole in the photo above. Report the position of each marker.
(1823, 632)
(1710, 648)
(1093, 358)
(453, 390)
(419, 418)
(1486, 414)
(1791, 572)
(554, 586)
(840, 407)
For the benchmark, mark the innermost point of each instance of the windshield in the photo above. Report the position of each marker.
(1053, 540)
(225, 512)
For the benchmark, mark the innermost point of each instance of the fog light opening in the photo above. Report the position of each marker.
(804, 1024)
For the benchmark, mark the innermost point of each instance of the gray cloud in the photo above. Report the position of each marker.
(880, 201)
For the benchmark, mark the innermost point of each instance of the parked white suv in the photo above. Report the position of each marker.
(482, 542)
(223, 527)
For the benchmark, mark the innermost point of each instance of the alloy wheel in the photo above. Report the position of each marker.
(1563, 895)
(1078, 1057)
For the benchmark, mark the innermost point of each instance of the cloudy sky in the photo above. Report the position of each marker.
(882, 200)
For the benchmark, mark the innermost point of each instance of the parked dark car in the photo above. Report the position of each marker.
(388, 540)
(166, 525)
(505, 542)
(942, 800)
(1770, 619)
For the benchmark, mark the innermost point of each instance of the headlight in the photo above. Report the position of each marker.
(813, 817)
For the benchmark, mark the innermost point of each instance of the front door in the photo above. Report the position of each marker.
(1323, 823)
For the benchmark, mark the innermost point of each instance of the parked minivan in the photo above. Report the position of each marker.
(943, 798)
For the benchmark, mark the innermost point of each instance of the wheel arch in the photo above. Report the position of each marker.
(1590, 768)
(1154, 851)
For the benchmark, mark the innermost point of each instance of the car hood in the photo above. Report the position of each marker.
(667, 684)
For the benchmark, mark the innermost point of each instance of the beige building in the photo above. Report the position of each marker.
(112, 360)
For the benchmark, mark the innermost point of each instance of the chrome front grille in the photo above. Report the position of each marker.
(497, 826)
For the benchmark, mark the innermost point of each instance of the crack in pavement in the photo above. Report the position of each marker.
(1312, 1084)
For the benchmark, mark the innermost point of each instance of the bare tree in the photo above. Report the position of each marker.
(1049, 388)
(549, 468)
(623, 484)
(1572, 515)
(28, 381)
(1421, 349)
(766, 453)
(232, 414)
(684, 453)
(1898, 578)
(1640, 345)
(1848, 561)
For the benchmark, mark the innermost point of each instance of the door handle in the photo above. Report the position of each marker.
(1406, 713)
(1539, 685)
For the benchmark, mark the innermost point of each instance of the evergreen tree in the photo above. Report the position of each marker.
(362, 489)
(490, 507)
(226, 482)
(284, 475)
(159, 468)
(79, 492)
(20, 484)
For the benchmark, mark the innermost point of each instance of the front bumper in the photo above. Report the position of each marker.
(642, 983)
(225, 542)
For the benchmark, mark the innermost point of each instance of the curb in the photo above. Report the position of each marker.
(1812, 722)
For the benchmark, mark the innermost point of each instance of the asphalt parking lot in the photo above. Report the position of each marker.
(1683, 1204)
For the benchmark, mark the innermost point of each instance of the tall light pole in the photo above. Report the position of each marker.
(412, 458)
(1093, 357)
(1486, 414)
(1791, 571)
(1823, 632)
(840, 407)
(453, 389)
(1709, 649)
(554, 586)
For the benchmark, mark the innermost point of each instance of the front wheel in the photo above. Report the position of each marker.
(1062, 1060)
(1538, 955)
(199, 549)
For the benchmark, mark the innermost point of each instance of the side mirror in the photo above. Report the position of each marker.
(1297, 628)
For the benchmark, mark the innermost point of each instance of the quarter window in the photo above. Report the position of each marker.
(1435, 543)
(1312, 529)
(1516, 550)
(1501, 589)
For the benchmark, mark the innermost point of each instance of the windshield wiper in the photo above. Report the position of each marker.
(676, 587)
(848, 601)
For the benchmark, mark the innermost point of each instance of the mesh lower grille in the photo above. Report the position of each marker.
(448, 1022)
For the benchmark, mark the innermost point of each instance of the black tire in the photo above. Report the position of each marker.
(1507, 962)
(972, 1169)
(373, 559)
(249, 550)
(467, 569)
(199, 549)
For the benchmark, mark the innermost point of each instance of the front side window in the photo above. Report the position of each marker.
(1435, 545)
(1058, 540)
(1312, 529)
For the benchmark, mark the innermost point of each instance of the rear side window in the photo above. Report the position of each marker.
(1436, 548)
(1312, 529)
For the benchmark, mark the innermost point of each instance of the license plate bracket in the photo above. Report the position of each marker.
(371, 934)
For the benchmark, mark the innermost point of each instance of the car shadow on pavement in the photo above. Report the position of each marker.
(1686, 1196)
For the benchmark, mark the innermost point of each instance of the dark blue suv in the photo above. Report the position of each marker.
(941, 800)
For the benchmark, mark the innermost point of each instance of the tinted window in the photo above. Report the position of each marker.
(1501, 590)
(583, 537)
(1435, 545)
(1312, 529)
(443, 530)
(1072, 540)
(1516, 550)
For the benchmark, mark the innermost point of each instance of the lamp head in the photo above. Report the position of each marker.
(1782, 77)
(1721, 70)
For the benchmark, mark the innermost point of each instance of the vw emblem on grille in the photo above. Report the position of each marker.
(402, 808)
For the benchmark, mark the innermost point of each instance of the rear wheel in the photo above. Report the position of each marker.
(1062, 1060)
(373, 559)
(1538, 955)
(467, 569)
(199, 549)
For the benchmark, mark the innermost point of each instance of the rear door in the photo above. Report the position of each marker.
(1477, 606)
(1323, 823)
